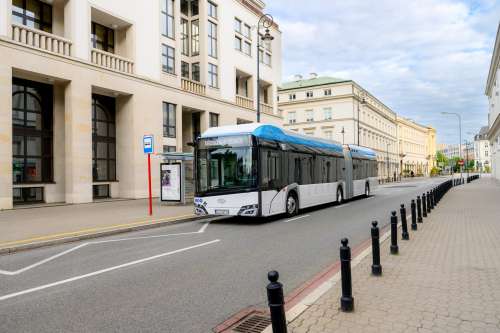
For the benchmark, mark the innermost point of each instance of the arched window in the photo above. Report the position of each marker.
(31, 137)
(103, 138)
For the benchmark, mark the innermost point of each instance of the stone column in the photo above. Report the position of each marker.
(78, 142)
(77, 19)
(5, 136)
(5, 18)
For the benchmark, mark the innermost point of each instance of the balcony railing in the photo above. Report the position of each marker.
(112, 61)
(266, 108)
(41, 40)
(244, 102)
(193, 86)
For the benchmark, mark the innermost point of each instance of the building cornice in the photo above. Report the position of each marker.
(304, 88)
(495, 59)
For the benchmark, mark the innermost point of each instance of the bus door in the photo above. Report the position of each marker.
(348, 174)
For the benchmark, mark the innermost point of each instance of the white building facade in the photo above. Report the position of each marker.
(492, 91)
(81, 83)
(343, 111)
(482, 154)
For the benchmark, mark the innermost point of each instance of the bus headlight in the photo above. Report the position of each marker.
(249, 210)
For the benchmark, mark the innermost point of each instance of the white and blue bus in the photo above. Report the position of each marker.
(262, 170)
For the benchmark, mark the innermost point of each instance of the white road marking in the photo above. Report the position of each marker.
(296, 218)
(46, 260)
(102, 271)
(340, 206)
(370, 198)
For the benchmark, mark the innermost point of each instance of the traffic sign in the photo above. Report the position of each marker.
(148, 144)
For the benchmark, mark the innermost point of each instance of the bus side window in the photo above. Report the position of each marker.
(296, 170)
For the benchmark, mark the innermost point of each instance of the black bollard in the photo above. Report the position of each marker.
(376, 267)
(413, 215)
(404, 225)
(424, 205)
(434, 201)
(428, 202)
(394, 233)
(276, 303)
(346, 300)
(419, 209)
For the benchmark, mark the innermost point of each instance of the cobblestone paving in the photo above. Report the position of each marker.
(446, 278)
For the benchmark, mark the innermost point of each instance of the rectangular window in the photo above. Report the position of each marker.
(102, 38)
(185, 37)
(103, 138)
(167, 18)
(291, 97)
(195, 38)
(238, 43)
(195, 71)
(247, 49)
(247, 31)
(212, 10)
(100, 191)
(184, 69)
(32, 13)
(214, 119)
(328, 92)
(237, 25)
(212, 39)
(169, 149)
(267, 59)
(213, 76)
(309, 94)
(169, 116)
(329, 135)
(195, 8)
(309, 115)
(168, 59)
(328, 113)
(292, 117)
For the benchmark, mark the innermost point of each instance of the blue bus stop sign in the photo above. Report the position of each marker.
(148, 144)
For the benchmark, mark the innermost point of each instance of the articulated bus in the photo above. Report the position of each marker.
(262, 170)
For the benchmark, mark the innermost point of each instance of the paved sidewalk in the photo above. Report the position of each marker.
(41, 224)
(445, 279)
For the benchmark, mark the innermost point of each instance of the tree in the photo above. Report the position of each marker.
(441, 159)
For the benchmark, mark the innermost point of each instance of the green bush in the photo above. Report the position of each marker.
(434, 171)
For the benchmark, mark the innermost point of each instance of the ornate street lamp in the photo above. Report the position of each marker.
(266, 21)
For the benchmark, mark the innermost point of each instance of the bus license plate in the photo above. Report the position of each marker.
(222, 211)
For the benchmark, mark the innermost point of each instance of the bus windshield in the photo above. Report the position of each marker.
(224, 168)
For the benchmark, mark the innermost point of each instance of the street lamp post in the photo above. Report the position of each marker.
(388, 171)
(343, 133)
(267, 21)
(460, 136)
(363, 102)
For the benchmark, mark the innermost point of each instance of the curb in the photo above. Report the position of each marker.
(70, 239)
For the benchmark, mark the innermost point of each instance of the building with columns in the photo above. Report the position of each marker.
(417, 147)
(81, 83)
(492, 91)
(343, 111)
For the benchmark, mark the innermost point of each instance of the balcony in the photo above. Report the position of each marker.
(244, 102)
(193, 86)
(266, 108)
(41, 40)
(112, 61)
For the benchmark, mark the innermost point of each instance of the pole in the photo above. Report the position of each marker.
(460, 145)
(358, 122)
(387, 148)
(149, 186)
(258, 74)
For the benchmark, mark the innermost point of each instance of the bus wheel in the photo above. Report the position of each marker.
(292, 206)
(367, 190)
(340, 197)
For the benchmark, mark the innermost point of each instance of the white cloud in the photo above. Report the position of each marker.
(419, 57)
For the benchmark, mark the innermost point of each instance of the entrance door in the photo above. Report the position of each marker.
(348, 174)
(195, 121)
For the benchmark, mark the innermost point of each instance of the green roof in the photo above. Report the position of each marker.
(318, 81)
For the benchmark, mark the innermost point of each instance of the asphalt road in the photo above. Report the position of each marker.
(182, 278)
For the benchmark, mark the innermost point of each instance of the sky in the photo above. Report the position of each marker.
(419, 57)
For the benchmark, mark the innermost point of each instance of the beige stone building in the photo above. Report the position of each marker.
(343, 111)
(417, 147)
(81, 83)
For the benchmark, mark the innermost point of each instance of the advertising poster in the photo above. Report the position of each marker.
(170, 182)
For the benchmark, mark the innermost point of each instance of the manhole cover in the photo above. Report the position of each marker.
(253, 324)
